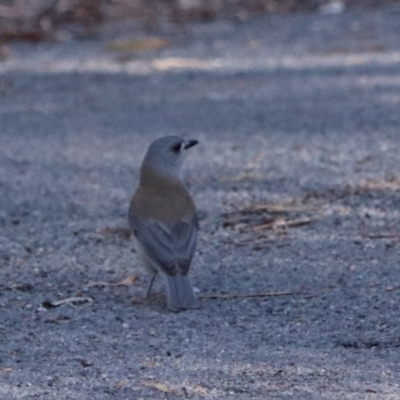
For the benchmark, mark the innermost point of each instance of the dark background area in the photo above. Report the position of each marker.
(35, 20)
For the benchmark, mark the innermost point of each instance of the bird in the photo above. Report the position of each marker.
(164, 222)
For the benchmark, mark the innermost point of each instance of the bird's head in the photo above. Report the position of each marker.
(165, 155)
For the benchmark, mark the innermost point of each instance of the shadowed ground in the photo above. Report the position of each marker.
(297, 184)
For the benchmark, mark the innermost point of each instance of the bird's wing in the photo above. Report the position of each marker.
(170, 245)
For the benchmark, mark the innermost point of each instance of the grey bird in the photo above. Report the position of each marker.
(163, 219)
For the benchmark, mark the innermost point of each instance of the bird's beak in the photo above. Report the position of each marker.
(190, 143)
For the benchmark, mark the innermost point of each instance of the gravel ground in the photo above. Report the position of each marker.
(297, 182)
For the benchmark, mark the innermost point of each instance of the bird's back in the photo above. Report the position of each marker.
(162, 200)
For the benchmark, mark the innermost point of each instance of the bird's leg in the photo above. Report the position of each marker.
(150, 285)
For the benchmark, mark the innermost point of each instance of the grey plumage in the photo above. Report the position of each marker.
(163, 219)
(180, 294)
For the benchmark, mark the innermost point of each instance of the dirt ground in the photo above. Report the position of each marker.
(297, 183)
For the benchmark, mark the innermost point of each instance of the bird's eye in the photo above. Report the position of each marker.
(176, 148)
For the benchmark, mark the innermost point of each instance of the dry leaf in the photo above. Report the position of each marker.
(201, 390)
(5, 52)
(150, 363)
(6, 370)
(138, 45)
(121, 384)
(162, 387)
(128, 281)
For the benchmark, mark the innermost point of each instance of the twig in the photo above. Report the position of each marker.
(271, 208)
(216, 296)
(69, 300)
(251, 295)
(281, 223)
(381, 235)
(281, 208)
(365, 233)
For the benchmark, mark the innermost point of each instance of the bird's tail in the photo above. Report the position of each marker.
(180, 293)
